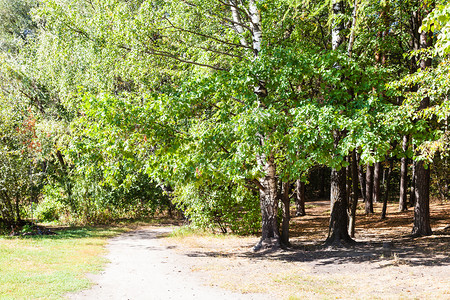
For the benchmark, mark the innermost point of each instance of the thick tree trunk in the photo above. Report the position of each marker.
(369, 190)
(268, 196)
(387, 189)
(422, 225)
(354, 203)
(300, 198)
(402, 203)
(285, 201)
(376, 182)
(338, 228)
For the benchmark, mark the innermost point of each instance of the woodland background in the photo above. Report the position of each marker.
(223, 110)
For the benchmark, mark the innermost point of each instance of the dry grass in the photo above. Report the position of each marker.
(413, 268)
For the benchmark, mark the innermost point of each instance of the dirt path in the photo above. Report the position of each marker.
(142, 268)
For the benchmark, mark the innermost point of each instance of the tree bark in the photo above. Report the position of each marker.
(422, 225)
(237, 22)
(361, 177)
(386, 189)
(376, 182)
(300, 198)
(402, 203)
(285, 201)
(348, 176)
(369, 190)
(412, 192)
(268, 196)
(354, 203)
(338, 228)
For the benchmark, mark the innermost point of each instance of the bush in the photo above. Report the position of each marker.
(88, 200)
(50, 208)
(226, 207)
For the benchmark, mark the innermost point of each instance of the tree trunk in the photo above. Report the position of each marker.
(322, 192)
(402, 203)
(369, 190)
(285, 201)
(362, 178)
(354, 203)
(348, 176)
(422, 225)
(268, 196)
(338, 228)
(386, 189)
(376, 182)
(300, 198)
(412, 192)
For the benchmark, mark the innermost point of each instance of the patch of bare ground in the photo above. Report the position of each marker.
(384, 264)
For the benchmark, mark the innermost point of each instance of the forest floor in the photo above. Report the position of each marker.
(408, 268)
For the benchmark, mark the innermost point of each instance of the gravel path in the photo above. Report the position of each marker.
(142, 268)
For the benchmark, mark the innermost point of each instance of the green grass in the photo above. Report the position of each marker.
(47, 267)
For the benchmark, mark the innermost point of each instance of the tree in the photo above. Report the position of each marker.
(403, 204)
(338, 232)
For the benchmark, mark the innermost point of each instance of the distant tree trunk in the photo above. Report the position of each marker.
(422, 225)
(386, 188)
(7, 209)
(300, 198)
(354, 203)
(402, 203)
(362, 178)
(285, 201)
(369, 189)
(348, 183)
(322, 172)
(412, 192)
(378, 169)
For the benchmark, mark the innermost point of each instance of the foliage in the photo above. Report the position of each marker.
(439, 21)
(21, 165)
(16, 25)
(141, 96)
(227, 207)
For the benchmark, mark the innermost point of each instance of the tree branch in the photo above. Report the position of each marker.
(207, 36)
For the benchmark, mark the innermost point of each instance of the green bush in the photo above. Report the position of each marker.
(224, 207)
(50, 208)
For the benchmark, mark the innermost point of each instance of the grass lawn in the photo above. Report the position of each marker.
(47, 267)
